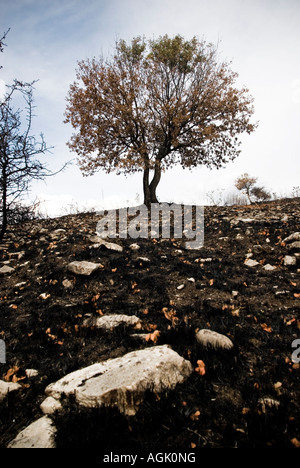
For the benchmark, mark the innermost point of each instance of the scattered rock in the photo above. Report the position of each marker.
(39, 434)
(123, 381)
(293, 237)
(7, 387)
(6, 270)
(144, 259)
(294, 246)
(209, 338)
(181, 286)
(83, 268)
(269, 267)
(67, 284)
(50, 405)
(134, 247)
(108, 245)
(31, 373)
(112, 321)
(251, 263)
(289, 260)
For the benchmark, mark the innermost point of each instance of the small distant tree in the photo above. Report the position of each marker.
(246, 184)
(260, 194)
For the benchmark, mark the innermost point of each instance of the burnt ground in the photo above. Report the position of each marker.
(259, 310)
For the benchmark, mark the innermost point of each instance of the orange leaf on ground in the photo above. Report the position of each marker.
(265, 327)
(201, 367)
(153, 336)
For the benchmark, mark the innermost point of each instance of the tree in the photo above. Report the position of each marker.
(246, 184)
(155, 104)
(19, 150)
(260, 194)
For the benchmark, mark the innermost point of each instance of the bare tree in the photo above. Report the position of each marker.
(19, 150)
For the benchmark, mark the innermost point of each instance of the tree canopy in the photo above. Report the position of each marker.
(155, 104)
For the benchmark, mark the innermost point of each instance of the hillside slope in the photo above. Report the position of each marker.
(247, 396)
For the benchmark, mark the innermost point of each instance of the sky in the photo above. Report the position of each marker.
(261, 39)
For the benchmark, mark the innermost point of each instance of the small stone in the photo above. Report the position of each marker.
(191, 280)
(31, 373)
(67, 284)
(39, 434)
(209, 338)
(112, 321)
(269, 267)
(134, 247)
(50, 405)
(108, 245)
(181, 286)
(6, 270)
(83, 268)
(144, 259)
(44, 296)
(251, 263)
(7, 387)
(234, 293)
(289, 260)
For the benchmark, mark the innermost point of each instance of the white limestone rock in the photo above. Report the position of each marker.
(6, 270)
(50, 405)
(123, 381)
(250, 263)
(83, 268)
(111, 321)
(210, 338)
(39, 434)
(7, 387)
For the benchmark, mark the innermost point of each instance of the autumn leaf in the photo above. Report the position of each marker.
(295, 442)
(201, 367)
(266, 328)
(170, 315)
(195, 416)
(10, 373)
(153, 336)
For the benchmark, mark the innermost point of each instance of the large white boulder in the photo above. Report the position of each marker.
(122, 382)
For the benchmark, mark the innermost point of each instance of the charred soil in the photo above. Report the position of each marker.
(249, 396)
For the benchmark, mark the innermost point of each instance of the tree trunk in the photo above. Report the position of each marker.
(146, 188)
(154, 182)
(150, 188)
(4, 211)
